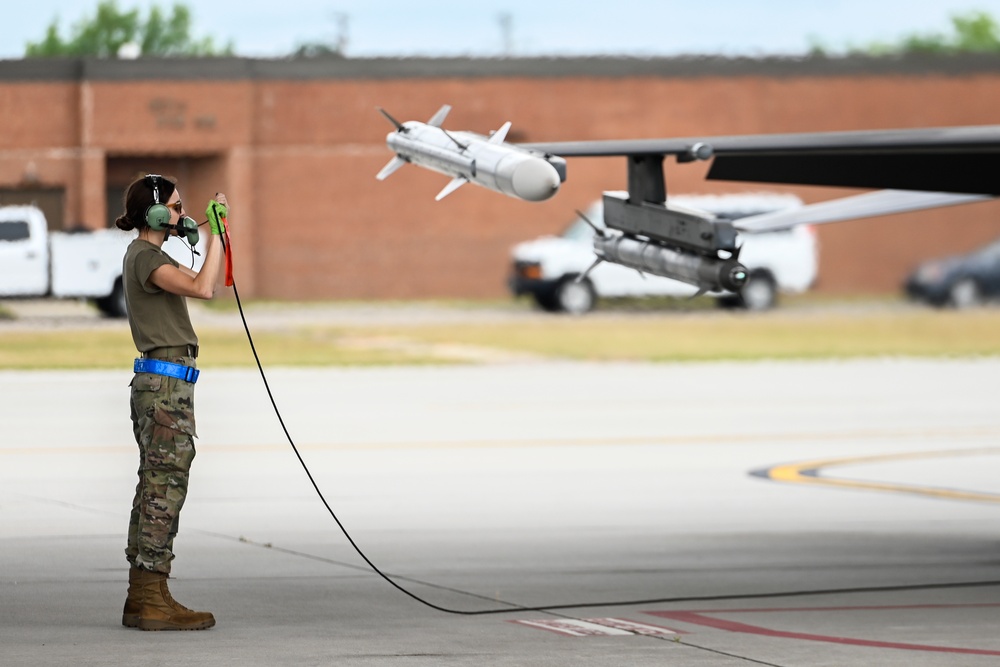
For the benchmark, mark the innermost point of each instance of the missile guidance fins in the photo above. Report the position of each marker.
(458, 143)
(501, 134)
(598, 231)
(399, 126)
(455, 184)
(389, 169)
(437, 120)
(583, 276)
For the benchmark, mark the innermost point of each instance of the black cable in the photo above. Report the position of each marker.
(551, 608)
(312, 480)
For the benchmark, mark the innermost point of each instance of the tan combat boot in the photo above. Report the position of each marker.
(159, 611)
(130, 614)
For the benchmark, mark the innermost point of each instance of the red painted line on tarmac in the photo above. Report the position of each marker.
(762, 610)
(699, 618)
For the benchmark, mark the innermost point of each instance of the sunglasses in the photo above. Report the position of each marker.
(178, 206)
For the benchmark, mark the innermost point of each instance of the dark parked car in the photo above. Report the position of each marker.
(961, 281)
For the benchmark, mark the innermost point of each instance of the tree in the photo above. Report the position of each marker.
(104, 34)
(977, 31)
(974, 32)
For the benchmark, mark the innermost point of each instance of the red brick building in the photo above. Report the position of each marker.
(296, 145)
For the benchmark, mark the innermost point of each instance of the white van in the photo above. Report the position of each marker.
(778, 261)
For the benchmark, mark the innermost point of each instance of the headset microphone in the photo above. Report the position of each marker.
(188, 228)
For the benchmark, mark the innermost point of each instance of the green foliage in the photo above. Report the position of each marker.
(103, 35)
(977, 31)
(974, 32)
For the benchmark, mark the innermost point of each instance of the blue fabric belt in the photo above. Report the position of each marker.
(168, 368)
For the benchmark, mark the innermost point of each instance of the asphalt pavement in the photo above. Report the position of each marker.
(806, 514)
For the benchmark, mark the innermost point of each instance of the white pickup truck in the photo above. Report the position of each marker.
(35, 262)
(778, 261)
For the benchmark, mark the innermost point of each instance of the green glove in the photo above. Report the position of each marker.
(216, 212)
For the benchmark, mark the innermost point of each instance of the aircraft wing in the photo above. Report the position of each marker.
(912, 170)
(947, 159)
(867, 205)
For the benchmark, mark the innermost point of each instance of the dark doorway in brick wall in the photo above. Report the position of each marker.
(198, 176)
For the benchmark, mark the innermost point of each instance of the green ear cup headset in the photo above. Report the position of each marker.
(158, 215)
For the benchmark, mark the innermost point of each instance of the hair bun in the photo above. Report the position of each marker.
(122, 222)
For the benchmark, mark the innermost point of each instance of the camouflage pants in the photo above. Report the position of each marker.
(163, 423)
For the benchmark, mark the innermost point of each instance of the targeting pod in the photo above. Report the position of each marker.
(708, 274)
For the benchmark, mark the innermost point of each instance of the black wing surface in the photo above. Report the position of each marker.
(946, 159)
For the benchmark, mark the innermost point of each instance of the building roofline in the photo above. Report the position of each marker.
(332, 67)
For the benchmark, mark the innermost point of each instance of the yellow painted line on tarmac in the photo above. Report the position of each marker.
(653, 440)
(809, 472)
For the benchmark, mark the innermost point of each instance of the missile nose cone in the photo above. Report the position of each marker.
(535, 180)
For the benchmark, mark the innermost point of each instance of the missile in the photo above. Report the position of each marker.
(473, 158)
(708, 274)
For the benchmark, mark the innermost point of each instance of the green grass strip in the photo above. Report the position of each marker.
(692, 336)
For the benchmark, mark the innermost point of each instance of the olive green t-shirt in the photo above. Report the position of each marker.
(158, 318)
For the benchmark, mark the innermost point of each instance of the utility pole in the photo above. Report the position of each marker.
(506, 22)
(343, 20)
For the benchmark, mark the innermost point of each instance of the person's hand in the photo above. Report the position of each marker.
(217, 210)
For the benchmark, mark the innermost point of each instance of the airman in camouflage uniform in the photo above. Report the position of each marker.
(162, 405)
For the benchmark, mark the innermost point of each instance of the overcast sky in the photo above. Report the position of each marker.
(534, 27)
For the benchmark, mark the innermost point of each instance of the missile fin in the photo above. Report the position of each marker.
(454, 140)
(583, 276)
(438, 119)
(501, 134)
(399, 126)
(455, 184)
(389, 169)
(597, 230)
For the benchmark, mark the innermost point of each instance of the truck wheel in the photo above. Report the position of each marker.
(575, 298)
(760, 292)
(965, 293)
(113, 305)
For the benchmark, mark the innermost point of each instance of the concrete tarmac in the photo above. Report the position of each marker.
(802, 514)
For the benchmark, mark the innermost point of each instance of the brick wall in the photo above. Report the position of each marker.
(297, 151)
